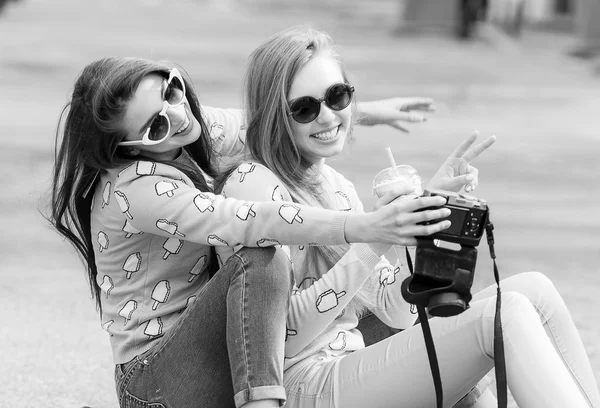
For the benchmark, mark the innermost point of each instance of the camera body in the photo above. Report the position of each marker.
(468, 217)
(442, 277)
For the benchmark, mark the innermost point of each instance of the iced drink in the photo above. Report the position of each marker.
(404, 175)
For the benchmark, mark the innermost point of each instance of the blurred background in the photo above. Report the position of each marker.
(524, 70)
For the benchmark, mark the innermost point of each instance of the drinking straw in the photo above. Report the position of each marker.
(392, 161)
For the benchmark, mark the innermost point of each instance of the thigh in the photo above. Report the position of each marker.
(396, 370)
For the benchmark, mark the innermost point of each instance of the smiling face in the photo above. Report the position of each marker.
(144, 106)
(326, 135)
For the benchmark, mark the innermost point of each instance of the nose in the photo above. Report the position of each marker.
(326, 115)
(176, 113)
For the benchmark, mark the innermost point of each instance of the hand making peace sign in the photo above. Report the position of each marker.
(456, 172)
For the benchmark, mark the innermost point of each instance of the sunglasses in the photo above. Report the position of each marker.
(306, 108)
(160, 127)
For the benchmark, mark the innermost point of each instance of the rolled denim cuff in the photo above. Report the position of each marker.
(260, 393)
(471, 398)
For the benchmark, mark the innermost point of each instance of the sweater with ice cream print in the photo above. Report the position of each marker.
(153, 230)
(316, 320)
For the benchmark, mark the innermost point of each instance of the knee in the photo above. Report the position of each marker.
(272, 264)
(538, 288)
(515, 305)
(538, 280)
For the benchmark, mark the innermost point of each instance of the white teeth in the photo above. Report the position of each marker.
(325, 136)
(185, 125)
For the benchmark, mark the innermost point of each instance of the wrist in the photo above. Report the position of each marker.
(356, 228)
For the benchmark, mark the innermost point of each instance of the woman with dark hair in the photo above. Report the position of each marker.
(132, 191)
(299, 108)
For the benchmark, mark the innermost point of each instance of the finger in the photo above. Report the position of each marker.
(397, 125)
(464, 145)
(424, 230)
(423, 202)
(412, 117)
(428, 215)
(394, 193)
(418, 103)
(476, 150)
(458, 182)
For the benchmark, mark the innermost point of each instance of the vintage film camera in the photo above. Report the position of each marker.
(443, 276)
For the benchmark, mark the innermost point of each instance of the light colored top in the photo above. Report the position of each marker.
(317, 321)
(153, 230)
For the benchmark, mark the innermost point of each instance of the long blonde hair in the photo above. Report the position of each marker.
(269, 139)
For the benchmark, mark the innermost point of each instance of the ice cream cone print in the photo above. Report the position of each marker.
(267, 242)
(307, 283)
(168, 226)
(130, 230)
(204, 202)
(145, 168)
(244, 169)
(123, 203)
(165, 187)
(103, 241)
(198, 268)
(216, 130)
(154, 328)
(128, 310)
(245, 211)
(276, 195)
(161, 293)
(328, 300)
(387, 276)
(172, 246)
(343, 201)
(107, 285)
(132, 264)
(214, 240)
(106, 194)
(289, 213)
(339, 343)
(106, 326)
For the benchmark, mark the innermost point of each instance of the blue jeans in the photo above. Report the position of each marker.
(228, 346)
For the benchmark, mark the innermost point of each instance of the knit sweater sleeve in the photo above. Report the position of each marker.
(384, 284)
(313, 309)
(159, 199)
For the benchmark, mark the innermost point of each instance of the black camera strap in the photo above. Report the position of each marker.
(431, 353)
(499, 358)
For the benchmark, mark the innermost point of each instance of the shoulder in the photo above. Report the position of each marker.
(146, 171)
(345, 195)
(254, 181)
(336, 178)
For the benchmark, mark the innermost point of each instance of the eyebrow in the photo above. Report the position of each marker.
(163, 89)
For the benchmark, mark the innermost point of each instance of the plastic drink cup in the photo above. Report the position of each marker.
(404, 175)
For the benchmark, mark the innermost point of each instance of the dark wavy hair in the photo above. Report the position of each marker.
(89, 131)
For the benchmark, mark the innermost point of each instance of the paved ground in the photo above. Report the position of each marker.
(541, 178)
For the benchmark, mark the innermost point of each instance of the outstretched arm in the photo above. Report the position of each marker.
(394, 112)
(228, 131)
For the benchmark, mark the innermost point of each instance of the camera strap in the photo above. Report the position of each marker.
(499, 358)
